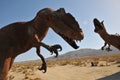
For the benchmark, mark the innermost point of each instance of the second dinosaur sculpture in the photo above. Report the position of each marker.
(110, 39)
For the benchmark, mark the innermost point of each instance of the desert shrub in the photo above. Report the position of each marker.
(94, 63)
(11, 77)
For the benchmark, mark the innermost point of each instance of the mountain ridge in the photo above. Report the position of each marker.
(86, 52)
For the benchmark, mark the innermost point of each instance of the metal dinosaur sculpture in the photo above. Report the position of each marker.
(110, 39)
(19, 37)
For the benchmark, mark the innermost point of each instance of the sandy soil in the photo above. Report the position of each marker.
(88, 68)
(70, 72)
(79, 73)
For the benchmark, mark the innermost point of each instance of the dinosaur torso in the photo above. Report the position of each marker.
(19, 38)
(111, 39)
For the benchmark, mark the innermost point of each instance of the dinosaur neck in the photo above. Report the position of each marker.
(104, 35)
(39, 27)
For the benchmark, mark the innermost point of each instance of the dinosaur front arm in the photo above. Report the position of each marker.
(103, 46)
(53, 49)
(108, 48)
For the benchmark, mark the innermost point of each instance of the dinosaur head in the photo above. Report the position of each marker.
(99, 26)
(65, 25)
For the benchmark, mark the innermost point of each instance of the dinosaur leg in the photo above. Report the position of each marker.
(52, 49)
(44, 67)
(108, 48)
(12, 60)
(4, 68)
(102, 48)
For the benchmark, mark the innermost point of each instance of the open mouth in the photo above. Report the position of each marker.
(97, 24)
(70, 41)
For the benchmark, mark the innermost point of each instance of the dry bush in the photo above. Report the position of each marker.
(11, 77)
(84, 61)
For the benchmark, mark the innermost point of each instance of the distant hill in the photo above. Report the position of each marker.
(84, 53)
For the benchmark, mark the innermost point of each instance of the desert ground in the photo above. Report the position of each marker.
(105, 67)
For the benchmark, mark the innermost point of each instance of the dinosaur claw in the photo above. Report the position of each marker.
(60, 48)
(43, 68)
(102, 48)
(56, 55)
(55, 49)
(44, 71)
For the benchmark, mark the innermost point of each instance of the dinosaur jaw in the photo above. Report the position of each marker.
(98, 25)
(70, 41)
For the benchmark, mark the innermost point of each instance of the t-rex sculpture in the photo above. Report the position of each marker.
(19, 37)
(109, 39)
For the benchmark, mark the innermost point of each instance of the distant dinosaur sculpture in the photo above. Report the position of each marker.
(19, 37)
(110, 39)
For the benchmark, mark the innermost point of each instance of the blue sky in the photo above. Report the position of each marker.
(83, 10)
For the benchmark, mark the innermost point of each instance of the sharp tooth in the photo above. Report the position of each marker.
(77, 41)
(80, 40)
